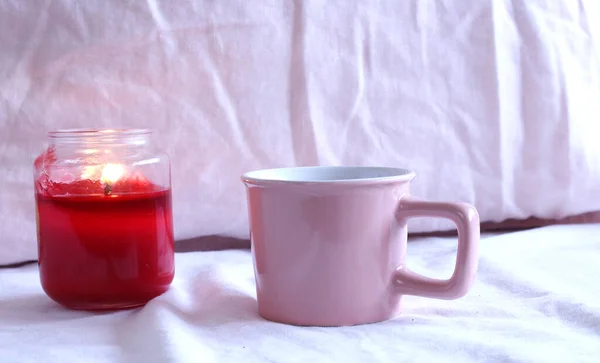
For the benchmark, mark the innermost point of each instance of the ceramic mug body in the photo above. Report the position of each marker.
(329, 244)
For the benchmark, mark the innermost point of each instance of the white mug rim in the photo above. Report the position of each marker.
(328, 175)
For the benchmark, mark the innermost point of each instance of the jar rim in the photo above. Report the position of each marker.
(97, 132)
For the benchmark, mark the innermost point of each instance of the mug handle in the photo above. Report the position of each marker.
(466, 218)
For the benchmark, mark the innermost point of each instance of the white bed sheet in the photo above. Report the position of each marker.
(537, 299)
(491, 102)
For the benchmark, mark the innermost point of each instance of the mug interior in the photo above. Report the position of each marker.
(329, 174)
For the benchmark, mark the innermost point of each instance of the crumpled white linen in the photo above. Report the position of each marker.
(491, 102)
(536, 299)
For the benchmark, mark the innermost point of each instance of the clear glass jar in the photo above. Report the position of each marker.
(104, 219)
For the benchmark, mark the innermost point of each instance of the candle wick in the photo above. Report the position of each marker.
(107, 189)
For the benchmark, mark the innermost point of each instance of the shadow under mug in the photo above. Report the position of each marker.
(329, 244)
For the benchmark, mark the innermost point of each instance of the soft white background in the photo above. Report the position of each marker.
(494, 102)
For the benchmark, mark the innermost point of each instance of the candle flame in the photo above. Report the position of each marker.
(111, 173)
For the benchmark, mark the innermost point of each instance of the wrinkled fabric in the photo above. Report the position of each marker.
(490, 102)
(536, 299)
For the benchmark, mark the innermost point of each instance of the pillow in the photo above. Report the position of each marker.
(490, 103)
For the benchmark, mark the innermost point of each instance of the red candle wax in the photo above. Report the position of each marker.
(103, 251)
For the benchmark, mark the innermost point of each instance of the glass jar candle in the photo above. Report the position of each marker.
(104, 219)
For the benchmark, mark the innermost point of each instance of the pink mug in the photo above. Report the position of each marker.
(329, 244)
